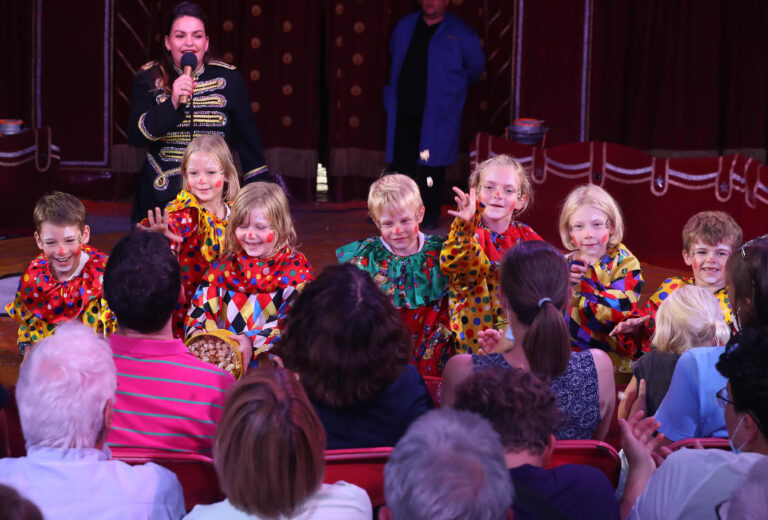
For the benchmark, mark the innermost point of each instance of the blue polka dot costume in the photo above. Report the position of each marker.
(251, 296)
(203, 238)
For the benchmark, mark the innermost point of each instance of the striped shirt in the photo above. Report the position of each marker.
(166, 398)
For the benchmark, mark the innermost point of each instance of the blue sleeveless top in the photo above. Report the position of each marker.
(576, 392)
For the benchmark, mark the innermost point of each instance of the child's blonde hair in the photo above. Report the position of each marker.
(504, 160)
(711, 228)
(217, 149)
(689, 317)
(598, 198)
(271, 200)
(393, 191)
(59, 208)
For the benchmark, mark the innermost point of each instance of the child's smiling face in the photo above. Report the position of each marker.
(256, 235)
(400, 229)
(61, 245)
(499, 191)
(708, 263)
(590, 230)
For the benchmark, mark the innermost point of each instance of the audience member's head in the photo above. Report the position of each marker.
(66, 389)
(449, 465)
(519, 406)
(142, 280)
(745, 399)
(534, 290)
(13, 506)
(344, 338)
(689, 317)
(268, 448)
(747, 276)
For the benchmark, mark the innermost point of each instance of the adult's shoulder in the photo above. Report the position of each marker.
(220, 65)
(456, 23)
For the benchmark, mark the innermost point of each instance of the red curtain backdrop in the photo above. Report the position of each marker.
(666, 77)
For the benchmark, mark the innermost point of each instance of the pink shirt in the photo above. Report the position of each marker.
(166, 398)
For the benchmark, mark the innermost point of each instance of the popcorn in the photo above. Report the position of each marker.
(424, 155)
(430, 182)
(216, 351)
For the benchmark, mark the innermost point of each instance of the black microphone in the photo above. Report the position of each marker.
(188, 64)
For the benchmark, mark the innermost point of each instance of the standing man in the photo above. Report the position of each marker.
(435, 56)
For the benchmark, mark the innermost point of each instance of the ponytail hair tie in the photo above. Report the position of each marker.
(543, 301)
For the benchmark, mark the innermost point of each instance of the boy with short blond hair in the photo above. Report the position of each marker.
(63, 283)
(709, 238)
(404, 263)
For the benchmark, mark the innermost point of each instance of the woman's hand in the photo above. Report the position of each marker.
(158, 222)
(183, 86)
(466, 203)
(489, 340)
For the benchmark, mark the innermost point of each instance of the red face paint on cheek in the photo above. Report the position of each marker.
(575, 242)
(416, 229)
(604, 240)
(270, 237)
(220, 183)
(696, 265)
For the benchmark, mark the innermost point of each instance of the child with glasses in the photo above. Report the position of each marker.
(404, 263)
(709, 238)
(196, 219)
(606, 278)
(64, 282)
(483, 229)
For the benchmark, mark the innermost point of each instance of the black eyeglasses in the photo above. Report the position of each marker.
(753, 276)
(722, 397)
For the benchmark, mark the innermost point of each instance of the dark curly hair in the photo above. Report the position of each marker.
(142, 280)
(745, 364)
(747, 275)
(344, 338)
(519, 406)
(532, 271)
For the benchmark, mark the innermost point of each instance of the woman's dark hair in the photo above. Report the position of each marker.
(747, 273)
(519, 406)
(269, 427)
(534, 282)
(13, 506)
(745, 365)
(344, 338)
(166, 72)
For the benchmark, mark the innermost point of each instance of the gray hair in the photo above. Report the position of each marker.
(449, 465)
(63, 386)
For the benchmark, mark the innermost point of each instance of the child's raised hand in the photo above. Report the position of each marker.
(629, 326)
(158, 222)
(466, 204)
